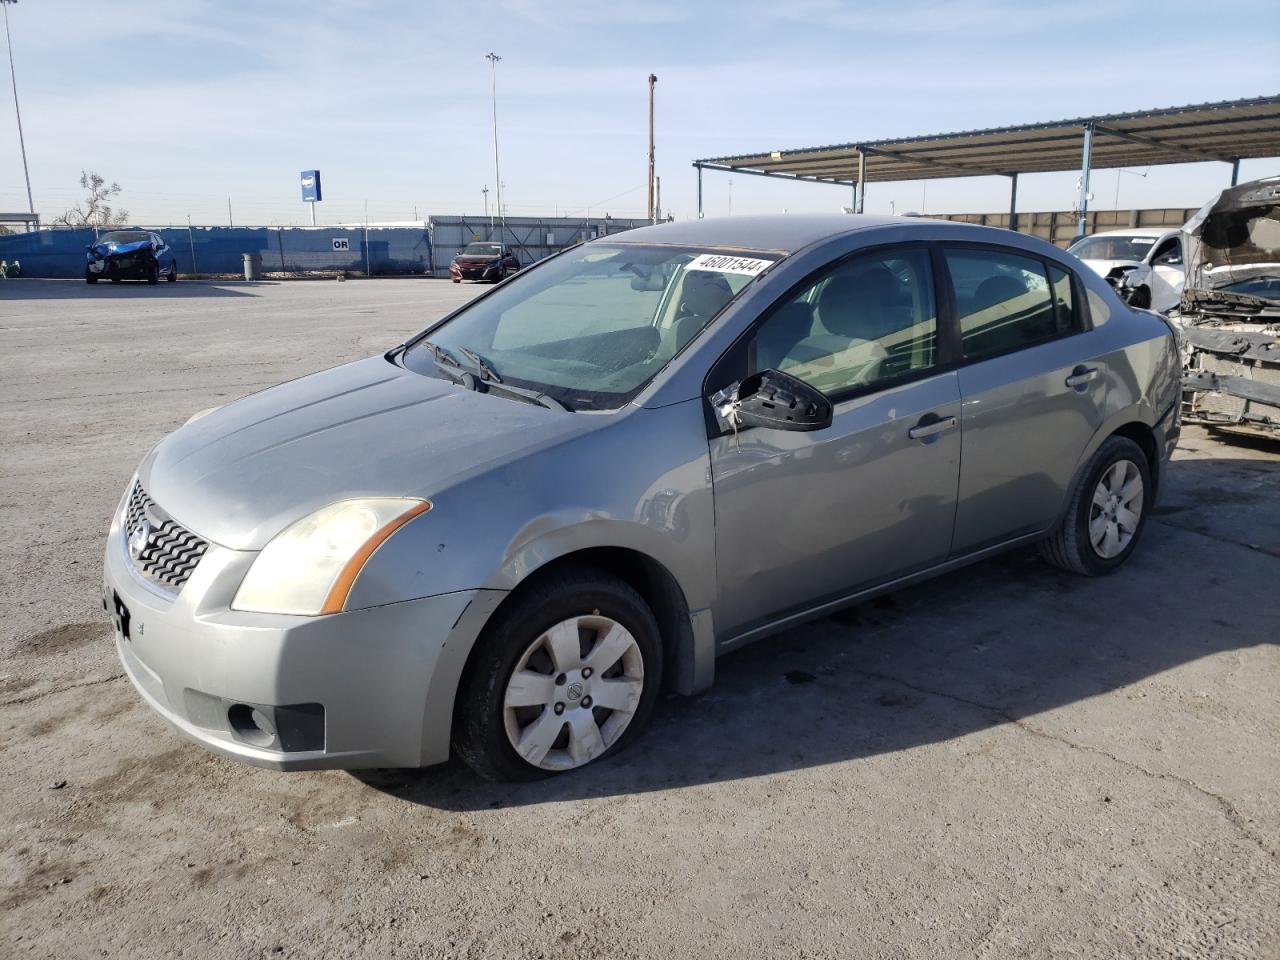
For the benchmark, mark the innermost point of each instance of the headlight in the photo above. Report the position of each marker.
(308, 568)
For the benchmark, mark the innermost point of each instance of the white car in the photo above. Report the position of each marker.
(1145, 265)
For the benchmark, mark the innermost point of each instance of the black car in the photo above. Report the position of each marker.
(130, 255)
(484, 261)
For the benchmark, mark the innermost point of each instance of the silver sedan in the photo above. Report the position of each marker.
(506, 537)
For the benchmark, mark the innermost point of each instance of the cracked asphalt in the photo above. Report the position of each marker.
(1007, 762)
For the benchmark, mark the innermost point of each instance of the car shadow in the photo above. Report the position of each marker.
(990, 645)
(29, 288)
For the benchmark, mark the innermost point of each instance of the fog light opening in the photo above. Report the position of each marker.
(252, 725)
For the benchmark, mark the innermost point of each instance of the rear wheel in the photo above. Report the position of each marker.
(568, 674)
(173, 273)
(1109, 506)
(89, 276)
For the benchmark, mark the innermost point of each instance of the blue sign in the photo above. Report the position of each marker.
(311, 186)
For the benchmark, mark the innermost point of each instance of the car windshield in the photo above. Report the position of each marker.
(122, 236)
(592, 326)
(1267, 287)
(1112, 248)
(482, 250)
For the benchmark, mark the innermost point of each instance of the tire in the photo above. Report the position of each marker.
(1141, 298)
(153, 274)
(1071, 546)
(173, 273)
(486, 730)
(89, 277)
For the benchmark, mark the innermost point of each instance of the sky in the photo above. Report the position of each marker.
(193, 102)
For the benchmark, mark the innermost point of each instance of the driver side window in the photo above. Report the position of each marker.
(1169, 254)
(870, 320)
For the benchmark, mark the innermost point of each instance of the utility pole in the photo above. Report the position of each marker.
(657, 199)
(653, 79)
(230, 222)
(485, 191)
(13, 77)
(493, 59)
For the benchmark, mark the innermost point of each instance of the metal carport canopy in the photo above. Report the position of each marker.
(1227, 131)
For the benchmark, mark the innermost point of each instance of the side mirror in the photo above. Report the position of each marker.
(775, 400)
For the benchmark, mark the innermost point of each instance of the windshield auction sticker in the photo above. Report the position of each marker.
(723, 263)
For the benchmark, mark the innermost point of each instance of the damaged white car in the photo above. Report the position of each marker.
(1143, 265)
(1229, 318)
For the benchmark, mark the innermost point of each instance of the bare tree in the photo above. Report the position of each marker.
(94, 211)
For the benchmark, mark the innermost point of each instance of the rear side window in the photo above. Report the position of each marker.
(1005, 301)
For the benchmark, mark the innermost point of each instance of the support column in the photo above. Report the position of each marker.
(1085, 161)
(1013, 202)
(699, 168)
(862, 183)
(1235, 171)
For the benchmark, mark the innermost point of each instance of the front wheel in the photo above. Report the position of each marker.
(1109, 506)
(89, 276)
(568, 674)
(153, 275)
(173, 274)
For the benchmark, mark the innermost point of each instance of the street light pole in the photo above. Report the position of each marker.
(493, 59)
(13, 77)
(652, 80)
(485, 191)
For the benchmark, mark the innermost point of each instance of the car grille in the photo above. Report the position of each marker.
(162, 550)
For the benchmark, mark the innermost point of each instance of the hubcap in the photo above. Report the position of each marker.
(1116, 509)
(573, 692)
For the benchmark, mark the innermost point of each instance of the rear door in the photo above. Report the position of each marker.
(1031, 388)
(805, 517)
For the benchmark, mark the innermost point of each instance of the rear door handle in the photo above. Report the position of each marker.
(1081, 376)
(927, 428)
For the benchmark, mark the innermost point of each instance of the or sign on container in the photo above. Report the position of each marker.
(341, 243)
(311, 186)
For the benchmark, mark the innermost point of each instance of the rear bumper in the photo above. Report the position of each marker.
(365, 688)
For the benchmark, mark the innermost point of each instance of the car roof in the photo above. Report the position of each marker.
(783, 233)
(1137, 232)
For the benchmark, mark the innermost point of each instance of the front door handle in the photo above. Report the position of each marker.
(1081, 376)
(927, 427)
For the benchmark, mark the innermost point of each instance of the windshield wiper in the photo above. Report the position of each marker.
(442, 355)
(529, 396)
(486, 370)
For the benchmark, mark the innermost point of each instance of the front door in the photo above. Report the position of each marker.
(806, 517)
(1167, 275)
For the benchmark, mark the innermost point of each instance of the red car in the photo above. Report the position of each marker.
(484, 261)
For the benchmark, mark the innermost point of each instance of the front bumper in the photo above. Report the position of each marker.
(1231, 379)
(132, 267)
(474, 273)
(381, 680)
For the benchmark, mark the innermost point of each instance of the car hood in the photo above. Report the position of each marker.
(1104, 267)
(1234, 236)
(241, 474)
(118, 249)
